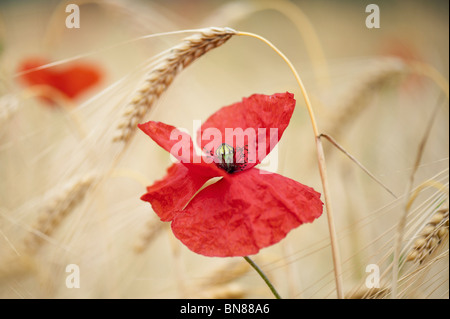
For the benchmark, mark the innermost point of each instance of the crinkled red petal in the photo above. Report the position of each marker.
(169, 195)
(251, 120)
(174, 141)
(241, 215)
(180, 145)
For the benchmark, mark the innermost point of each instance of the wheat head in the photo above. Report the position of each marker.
(152, 229)
(57, 208)
(430, 237)
(353, 101)
(162, 75)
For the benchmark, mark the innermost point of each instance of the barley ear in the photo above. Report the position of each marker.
(431, 237)
(56, 209)
(162, 75)
(152, 229)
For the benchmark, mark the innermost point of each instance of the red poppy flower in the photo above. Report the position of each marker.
(247, 209)
(71, 81)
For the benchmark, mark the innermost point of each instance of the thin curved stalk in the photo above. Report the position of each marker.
(321, 163)
(409, 199)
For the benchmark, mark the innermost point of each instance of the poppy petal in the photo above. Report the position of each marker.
(241, 215)
(77, 79)
(253, 125)
(180, 145)
(37, 77)
(173, 192)
(174, 141)
(70, 81)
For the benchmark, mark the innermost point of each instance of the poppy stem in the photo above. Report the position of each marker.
(263, 276)
(322, 167)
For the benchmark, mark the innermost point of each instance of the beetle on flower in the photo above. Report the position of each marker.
(245, 210)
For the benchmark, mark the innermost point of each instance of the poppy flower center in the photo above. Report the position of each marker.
(230, 159)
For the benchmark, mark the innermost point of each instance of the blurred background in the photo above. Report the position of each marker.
(69, 195)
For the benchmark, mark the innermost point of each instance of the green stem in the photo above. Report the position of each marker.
(264, 277)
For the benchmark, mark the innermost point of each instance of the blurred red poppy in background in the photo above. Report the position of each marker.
(68, 81)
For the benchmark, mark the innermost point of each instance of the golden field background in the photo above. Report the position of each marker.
(373, 90)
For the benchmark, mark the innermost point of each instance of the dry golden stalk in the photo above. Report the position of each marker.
(226, 273)
(369, 293)
(152, 229)
(430, 237)
(8, 105)
(354, 101)
(14, 266)
(230, 291)
(57, 208)
(162, 75)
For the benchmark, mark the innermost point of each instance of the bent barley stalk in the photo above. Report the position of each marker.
(322, 170)
(161, 76)
(352, 103)
(369, 293)
(403, 219)
(9, 104)
(58, 207)
(152, 229)
(228, 291)
(226, 273)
